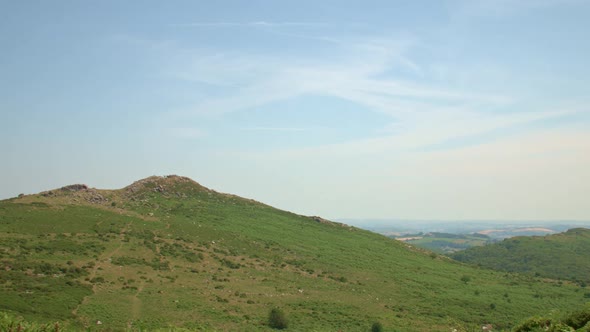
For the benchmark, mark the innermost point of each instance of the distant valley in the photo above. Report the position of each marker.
(447, 237)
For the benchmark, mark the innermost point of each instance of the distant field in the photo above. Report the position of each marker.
(445, 243)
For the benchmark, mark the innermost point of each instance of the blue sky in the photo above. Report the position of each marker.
(365, 109)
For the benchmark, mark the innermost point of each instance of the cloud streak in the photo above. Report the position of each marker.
(276, 129)
(253, 24)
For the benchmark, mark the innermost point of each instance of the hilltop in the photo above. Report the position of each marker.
(560, 256)
(168, 252)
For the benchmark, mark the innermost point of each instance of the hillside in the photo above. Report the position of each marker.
(168, 252)
(559, 256)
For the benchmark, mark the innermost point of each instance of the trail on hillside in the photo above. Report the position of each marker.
(105, 257)
(136, 305)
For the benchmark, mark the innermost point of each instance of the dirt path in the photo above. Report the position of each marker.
(135, 305)
(105, 257)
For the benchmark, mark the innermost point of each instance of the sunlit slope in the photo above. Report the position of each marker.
(559, 256)
(169, 252)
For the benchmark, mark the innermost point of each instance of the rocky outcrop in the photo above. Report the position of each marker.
(166, 185)
(74, 187)
(95, 197)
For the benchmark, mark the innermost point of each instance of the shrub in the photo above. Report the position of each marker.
(560, 327)
(533, 324)
(377, 327)
(277, 319)
(578, 319)
(465, 279)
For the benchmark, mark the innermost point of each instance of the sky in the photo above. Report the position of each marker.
(441, 110)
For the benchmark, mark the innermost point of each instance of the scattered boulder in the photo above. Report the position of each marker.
(320, 220)
(94, 197)
(328, 222)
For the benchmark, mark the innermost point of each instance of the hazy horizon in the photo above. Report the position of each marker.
(449, 110)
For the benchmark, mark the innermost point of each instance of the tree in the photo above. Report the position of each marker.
(277, 319)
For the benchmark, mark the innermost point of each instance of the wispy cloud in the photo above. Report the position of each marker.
(355, 77)
(361, 71)
(253, 24)
(277, 129)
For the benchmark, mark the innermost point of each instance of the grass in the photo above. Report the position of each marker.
(173, 254)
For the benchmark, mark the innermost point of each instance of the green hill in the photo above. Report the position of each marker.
(168, 252)
(559, 256)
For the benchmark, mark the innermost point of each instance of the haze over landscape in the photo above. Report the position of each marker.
(447, 110)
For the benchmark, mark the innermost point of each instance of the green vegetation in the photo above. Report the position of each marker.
(12, 323)
(277, 319)
(171, 254)
(578, 320)
(559, 256)
(377, 327)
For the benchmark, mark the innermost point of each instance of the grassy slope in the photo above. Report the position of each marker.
(168, 252)
(559, 256)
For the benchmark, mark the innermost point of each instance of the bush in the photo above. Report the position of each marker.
(586, 328)
(578, 319)
(277, 319)
(9, 322)
(534, 324)
(377, 327)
